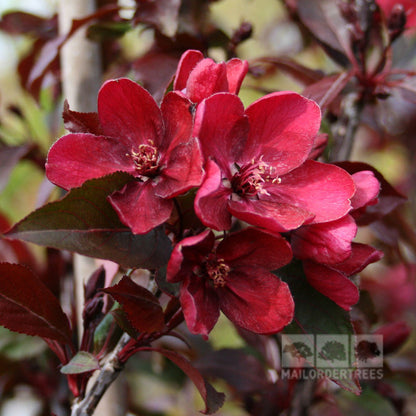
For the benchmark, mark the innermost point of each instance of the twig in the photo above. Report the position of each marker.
(109, 371)
(346, 127)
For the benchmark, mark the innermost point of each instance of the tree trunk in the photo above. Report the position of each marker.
(81, 80)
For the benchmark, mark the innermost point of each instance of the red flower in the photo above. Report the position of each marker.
(257, 167)
(330, 242)
(328, 253)
(234, 277)
(332, 280)
(198, 77)
(153, 145)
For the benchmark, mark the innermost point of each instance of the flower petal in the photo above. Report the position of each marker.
(188, 253)
(327, 243)
(332, 284)
(287, 124)
(236, 71)
(253, 247)
(177, 117)
(139, 208)
(222, 129)
(183, 171)
(187, 63)
(206, 79)
(211, 200)
(129, 112)
(200, 305)
(362, 255)
(75, 158)
(256, 300)
(271, 214)
(323, 189)
(367, 188)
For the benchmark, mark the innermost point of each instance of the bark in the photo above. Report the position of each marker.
(81, 80)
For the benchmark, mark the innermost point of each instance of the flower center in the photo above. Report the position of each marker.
(250, 179)
(146, 159)
(216, 270)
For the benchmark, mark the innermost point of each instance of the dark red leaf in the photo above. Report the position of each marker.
(328, 89)
(14, 251)
(162, 14)
(27, 306)
(49, 54)
(213, 399)
(155, 70)
(241, 371)
(300, 73)
(21, 23)
(85, 222)
(141, 306)
(77, 122)
(324, 20)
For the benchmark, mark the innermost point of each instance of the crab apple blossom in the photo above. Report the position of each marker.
(233, 276)
(328, 253)
(154, 145)
(257, 168)
(198, 77)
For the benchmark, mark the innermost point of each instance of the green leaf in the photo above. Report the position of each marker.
(318, 315)
(108, 30)
(84, 221)
(81, 362)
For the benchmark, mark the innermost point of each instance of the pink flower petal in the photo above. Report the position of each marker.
(327, 243)
(211, 200)
(177, 118)
(183, 171)
(75, 158)
(187, 63)
(200, 305)
(332, 284)
(222, 129)
(253, 247)
(287, 124)
(367, 188)
(236, 71)
(139, 208)
(362, 255)
(257, 300)
(270, 214)
(127, 111)
(187, 253)
(206, 79)
(320, 188)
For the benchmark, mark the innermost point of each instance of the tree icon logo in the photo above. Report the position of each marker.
(333, 350)
(298, 350)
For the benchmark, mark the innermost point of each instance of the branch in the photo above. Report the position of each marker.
(110, 370)
(345, 128)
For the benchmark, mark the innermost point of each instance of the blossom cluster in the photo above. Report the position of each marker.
(260, 199)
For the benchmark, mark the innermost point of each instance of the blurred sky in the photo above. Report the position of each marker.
(9, 45)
